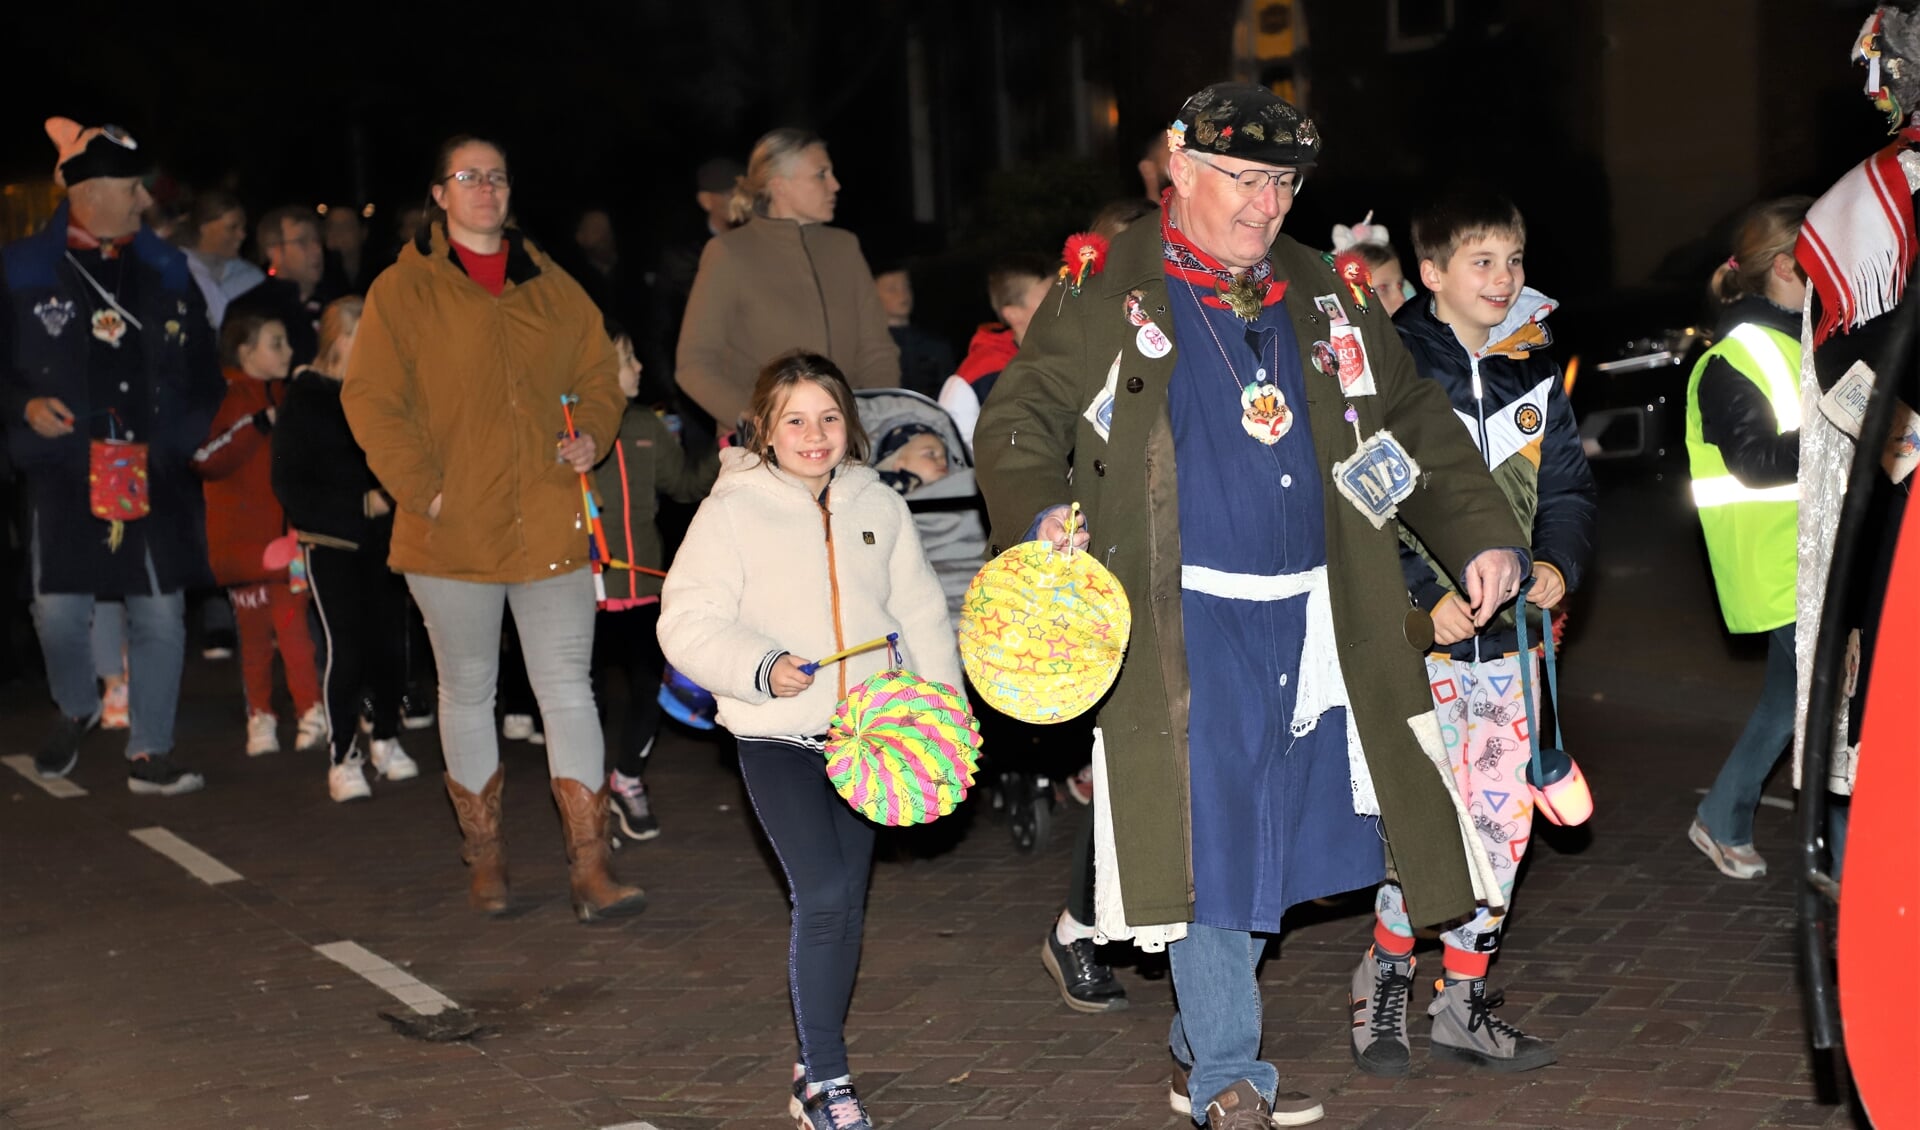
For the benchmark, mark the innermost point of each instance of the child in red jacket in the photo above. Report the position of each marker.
(243, 517)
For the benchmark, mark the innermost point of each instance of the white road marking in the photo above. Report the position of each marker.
(398, 983)
(55, 786)
(633, 1126)
(198, 863)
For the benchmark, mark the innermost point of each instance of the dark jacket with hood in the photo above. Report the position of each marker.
(1523, 425)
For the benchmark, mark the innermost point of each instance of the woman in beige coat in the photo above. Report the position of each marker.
(782, 281)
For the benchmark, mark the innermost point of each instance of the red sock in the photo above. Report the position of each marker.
(1460, 965)
(1387, 942)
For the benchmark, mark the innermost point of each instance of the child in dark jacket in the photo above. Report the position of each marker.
(1482, 334)
(345, 523)
(646, 461)
(243, 517)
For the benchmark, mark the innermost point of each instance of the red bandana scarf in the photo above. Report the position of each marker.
(80, 239)
(1185, 261)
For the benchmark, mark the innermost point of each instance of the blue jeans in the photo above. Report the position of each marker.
(825, 850)
(555, 620)
(156, 649)
(1216, 1024)
(1727, 810)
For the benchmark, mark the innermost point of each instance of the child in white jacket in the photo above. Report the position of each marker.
(799, 552)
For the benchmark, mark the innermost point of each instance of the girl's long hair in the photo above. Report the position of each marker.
(337, 323)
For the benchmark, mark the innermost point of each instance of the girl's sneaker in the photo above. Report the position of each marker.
(114, 714)
(392, 762)
(263, 734)
(313, 729)
(836, 1108)
(632, 812)
(348, 780)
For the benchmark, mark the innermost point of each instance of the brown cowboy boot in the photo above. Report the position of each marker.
(485, 848)
(596, 894)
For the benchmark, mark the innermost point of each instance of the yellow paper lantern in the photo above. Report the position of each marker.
(1042, 632)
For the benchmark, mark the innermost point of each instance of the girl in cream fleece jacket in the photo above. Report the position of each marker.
(801, 551)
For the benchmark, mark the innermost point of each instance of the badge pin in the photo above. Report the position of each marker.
(1137, 308)
(54, 314)
(1152, 342)
(1264, 413)
(1325, 361)
(1329, 304)
(1352, 366)
(109, 326)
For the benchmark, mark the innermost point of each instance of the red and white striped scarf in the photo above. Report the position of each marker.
(1858, 243)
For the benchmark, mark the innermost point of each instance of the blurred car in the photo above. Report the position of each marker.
(1632, 405)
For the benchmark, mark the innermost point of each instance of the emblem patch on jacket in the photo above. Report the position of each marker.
(54, 314)
(1514, 428)
(1377, 478)
(866, 536)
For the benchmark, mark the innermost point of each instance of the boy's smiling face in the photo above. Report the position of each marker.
(1473, 290)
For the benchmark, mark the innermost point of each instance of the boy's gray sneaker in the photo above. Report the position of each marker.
(1465, 1030)
(1378, 999)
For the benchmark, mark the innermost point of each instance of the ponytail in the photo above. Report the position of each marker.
(1769, 229)
(771, 154)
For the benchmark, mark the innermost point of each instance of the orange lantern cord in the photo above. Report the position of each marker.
(596, 533)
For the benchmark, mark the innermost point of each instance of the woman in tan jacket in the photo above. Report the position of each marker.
(466, 348)
(782, 281)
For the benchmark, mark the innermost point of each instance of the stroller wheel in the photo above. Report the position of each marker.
(1029, 811)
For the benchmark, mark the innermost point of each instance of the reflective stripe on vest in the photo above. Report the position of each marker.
(1751, 532)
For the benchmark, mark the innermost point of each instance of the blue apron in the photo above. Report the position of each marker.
(1272, 817)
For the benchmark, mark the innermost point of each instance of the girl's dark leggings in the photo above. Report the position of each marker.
(826, 851)
(363, 608)
(626, 645)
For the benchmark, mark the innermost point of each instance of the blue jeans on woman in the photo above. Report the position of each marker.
(1727, 810)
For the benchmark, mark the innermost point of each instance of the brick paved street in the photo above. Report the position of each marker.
(133, 994)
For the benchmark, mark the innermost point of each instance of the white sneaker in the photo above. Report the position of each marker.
(516, 727)
(313, 729)
(263, 734)
(348, 780)
(392, 762)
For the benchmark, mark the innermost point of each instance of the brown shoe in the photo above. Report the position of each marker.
(484, 847)
(596, 894)
(1239, 1107)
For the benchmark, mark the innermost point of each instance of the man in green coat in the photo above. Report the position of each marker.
(1271, 723)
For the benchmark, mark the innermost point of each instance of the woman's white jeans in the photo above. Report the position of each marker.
(555, 621)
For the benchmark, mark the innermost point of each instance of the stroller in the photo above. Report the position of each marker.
(950, 516)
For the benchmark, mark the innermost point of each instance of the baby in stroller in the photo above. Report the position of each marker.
(919, 451)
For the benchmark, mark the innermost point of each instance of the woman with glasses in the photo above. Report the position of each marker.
(782, 281)
(467, 349)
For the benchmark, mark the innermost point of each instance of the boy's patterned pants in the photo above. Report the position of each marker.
(1484, 723)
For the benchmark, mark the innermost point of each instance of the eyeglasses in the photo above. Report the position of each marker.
(1251, 181)
(474, 178)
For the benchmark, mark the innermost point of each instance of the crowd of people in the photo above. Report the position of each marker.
(1334, 697)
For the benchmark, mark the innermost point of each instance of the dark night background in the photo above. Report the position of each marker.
(1631, 132)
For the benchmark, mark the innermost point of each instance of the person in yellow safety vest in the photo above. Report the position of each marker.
(1743, 444)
